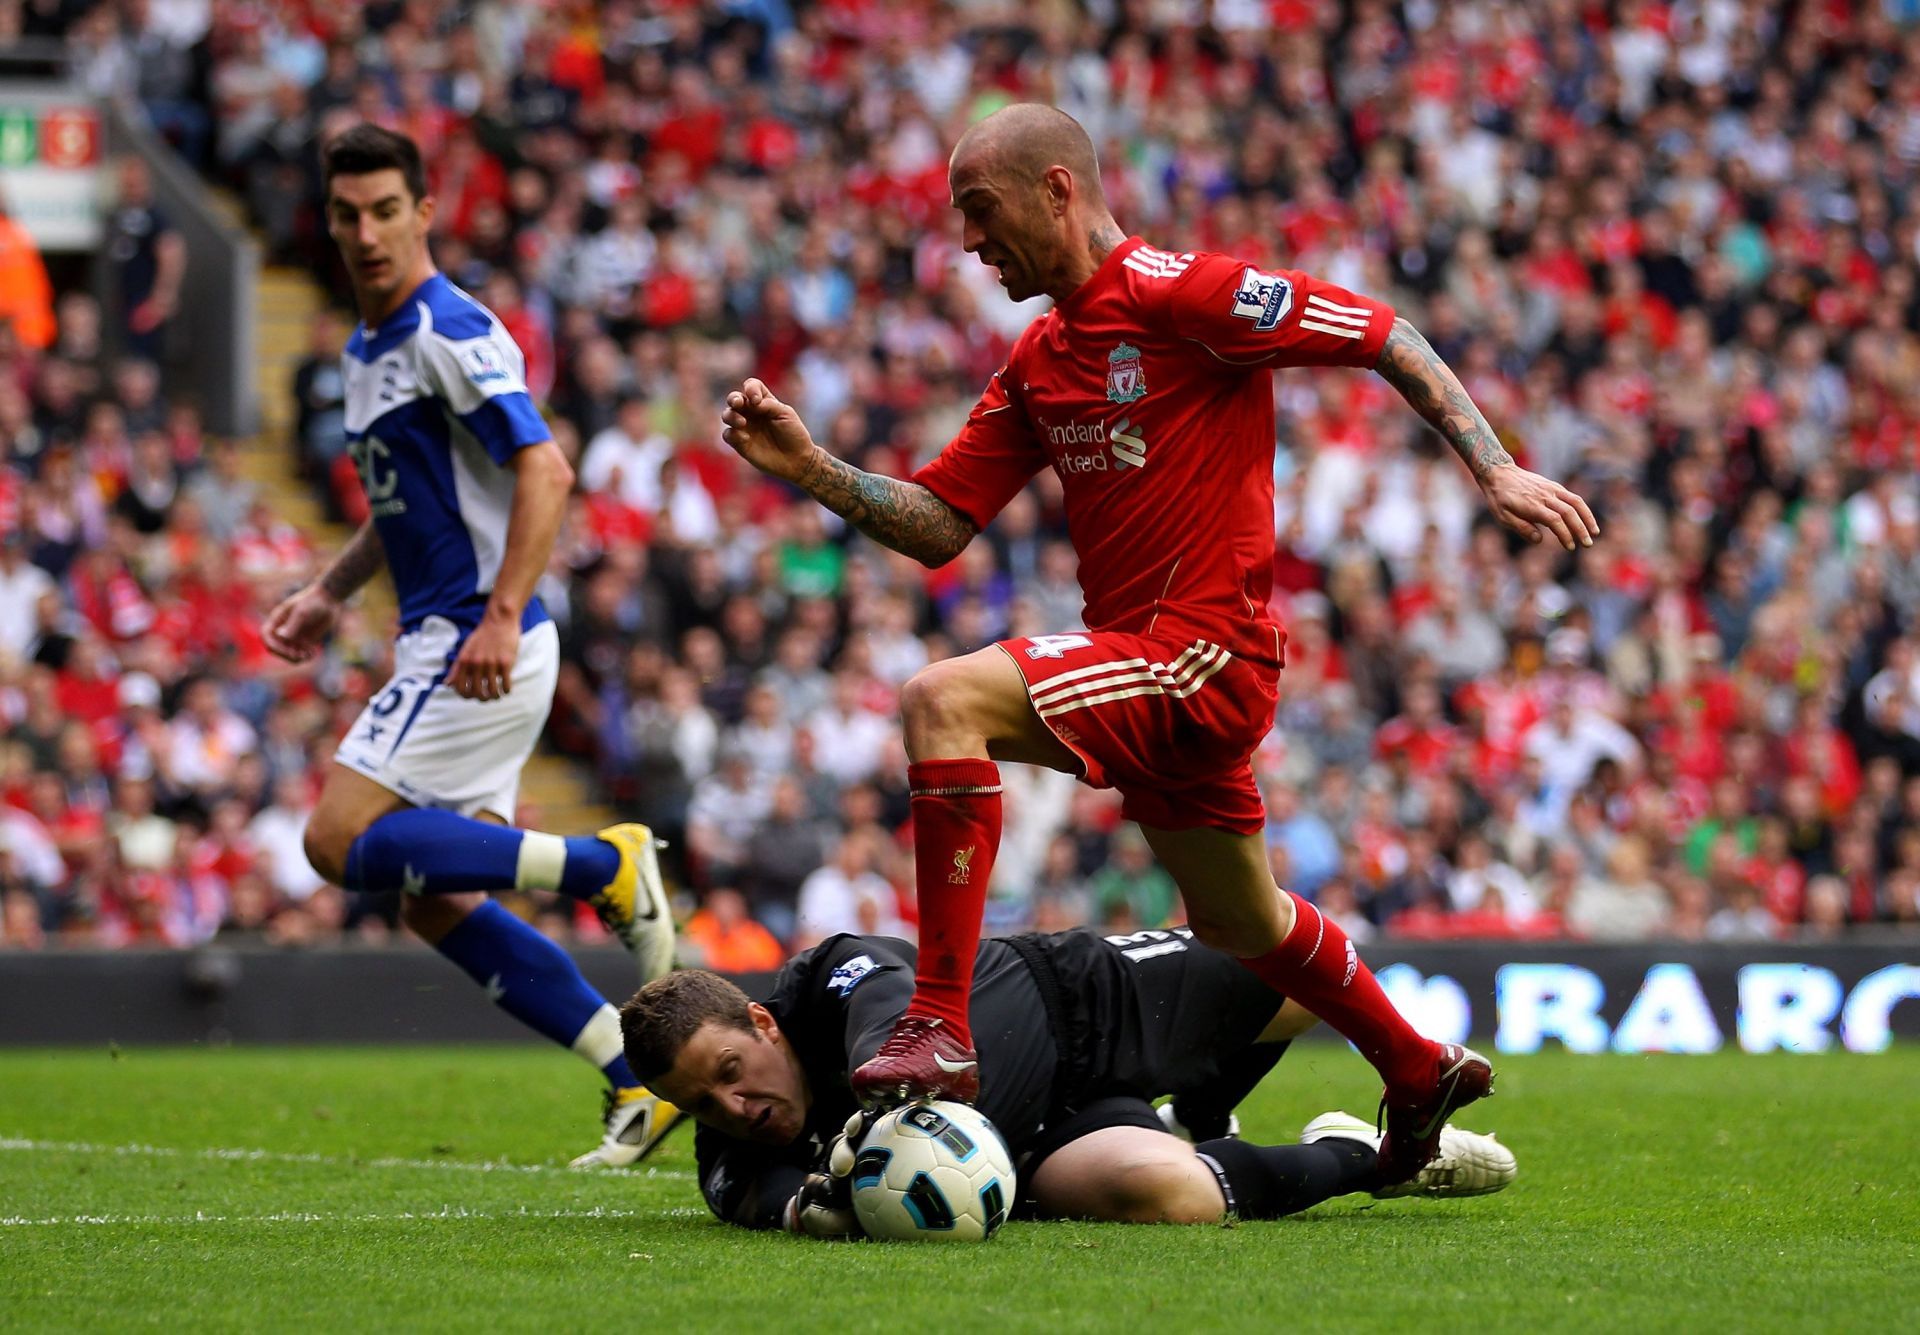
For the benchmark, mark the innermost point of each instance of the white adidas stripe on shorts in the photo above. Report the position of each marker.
(1125, 678)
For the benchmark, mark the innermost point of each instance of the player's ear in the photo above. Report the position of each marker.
(425, 210)
(764, 1025)
(1058, 182)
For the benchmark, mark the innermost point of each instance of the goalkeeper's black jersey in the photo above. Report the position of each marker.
(1058, 1020)
(836, 1004)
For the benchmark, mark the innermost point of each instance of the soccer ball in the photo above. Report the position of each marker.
(935, 1172)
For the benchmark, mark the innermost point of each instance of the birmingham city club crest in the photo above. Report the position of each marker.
(1126, 381)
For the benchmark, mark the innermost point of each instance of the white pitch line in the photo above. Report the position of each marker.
(451, 1212)
(226, 1155)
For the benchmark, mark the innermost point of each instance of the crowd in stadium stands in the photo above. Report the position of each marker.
(1672, 250)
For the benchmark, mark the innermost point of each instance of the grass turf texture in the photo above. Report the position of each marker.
(1654, 1193)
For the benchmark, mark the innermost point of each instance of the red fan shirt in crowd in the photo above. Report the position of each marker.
(1782, 886)
(695, 135)
(772, 144)
(107, 595)
(615, 524)
(534, 337)
(1828, 756)
(1147, 391)
(1426, 746)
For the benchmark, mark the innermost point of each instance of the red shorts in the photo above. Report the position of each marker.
(1170, 723)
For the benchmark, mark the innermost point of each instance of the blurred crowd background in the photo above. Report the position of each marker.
(1670, 248)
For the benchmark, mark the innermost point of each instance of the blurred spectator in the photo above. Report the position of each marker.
(1742, 917)
(149, 262)
(26, 294)
(1624, 904)
(625, 459)
(278, 832)
(1313, 854)
(320, 401)
(22, 587)
(725, 808)
(1481, 884)
(721, 936)
(847, 895)
(848, 737)
(1132, 890)
(782, 852)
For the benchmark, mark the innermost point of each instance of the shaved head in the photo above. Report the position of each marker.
(1023, 141)
(1027, 184)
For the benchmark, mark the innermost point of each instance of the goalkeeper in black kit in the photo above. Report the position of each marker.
(1077, 1034)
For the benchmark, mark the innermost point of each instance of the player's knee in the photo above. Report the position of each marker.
(935, 709)
(326, 842)
(928, 696)
(1164, 1191)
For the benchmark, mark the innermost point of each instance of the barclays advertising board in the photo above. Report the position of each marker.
(1677, 998)
(1683, 998)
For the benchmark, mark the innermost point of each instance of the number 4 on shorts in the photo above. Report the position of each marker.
(1055, 646)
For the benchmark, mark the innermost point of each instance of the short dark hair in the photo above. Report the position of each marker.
(659, 1019)
(368, 148)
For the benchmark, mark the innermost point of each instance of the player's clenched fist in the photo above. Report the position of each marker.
(297, 628)
(766, 432)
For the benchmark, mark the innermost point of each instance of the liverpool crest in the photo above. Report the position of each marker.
(1126, 381)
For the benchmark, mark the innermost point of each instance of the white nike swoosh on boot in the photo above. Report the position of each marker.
(952, 1068)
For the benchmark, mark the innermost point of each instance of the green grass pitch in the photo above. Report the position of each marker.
(419, 1189)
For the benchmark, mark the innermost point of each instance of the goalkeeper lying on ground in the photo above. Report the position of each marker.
(1077, 1033)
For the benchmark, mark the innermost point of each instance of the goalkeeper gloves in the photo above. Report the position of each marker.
(823, 1207)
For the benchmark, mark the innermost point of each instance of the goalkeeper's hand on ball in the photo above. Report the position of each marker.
(823, 1207)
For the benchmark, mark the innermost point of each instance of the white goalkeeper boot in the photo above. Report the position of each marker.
(1169, 1116)
(1467, 1164)
(636, 1122)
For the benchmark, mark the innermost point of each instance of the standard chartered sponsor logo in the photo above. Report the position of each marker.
(1123, 447)
(1078, 433)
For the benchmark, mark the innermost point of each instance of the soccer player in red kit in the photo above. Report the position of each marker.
(1146, 389)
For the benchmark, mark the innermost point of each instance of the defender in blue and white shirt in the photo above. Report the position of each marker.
(437, 409)
(467, 490)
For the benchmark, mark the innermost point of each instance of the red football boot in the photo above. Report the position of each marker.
(1413, 1126)
(919, 1061)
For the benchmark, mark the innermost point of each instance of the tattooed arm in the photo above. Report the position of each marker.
(298, 627)
(902, 515)
(359, 561)
(1409, 363)
(1525, 502)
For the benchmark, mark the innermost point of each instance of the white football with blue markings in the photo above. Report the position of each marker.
(935, 1172)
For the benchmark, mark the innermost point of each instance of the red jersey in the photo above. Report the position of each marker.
(1147, 391)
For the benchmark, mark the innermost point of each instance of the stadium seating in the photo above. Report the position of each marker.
(1673, 259)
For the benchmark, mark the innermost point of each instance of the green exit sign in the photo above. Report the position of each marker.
(19, 137)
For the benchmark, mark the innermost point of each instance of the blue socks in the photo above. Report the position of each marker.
(536, 982)
(421, 851)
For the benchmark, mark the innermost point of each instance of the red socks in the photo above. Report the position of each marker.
(956, 831)
(1318, 967)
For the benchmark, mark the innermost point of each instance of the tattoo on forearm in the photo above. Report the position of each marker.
(1409, 363)
(359, 561)
(902, 515)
